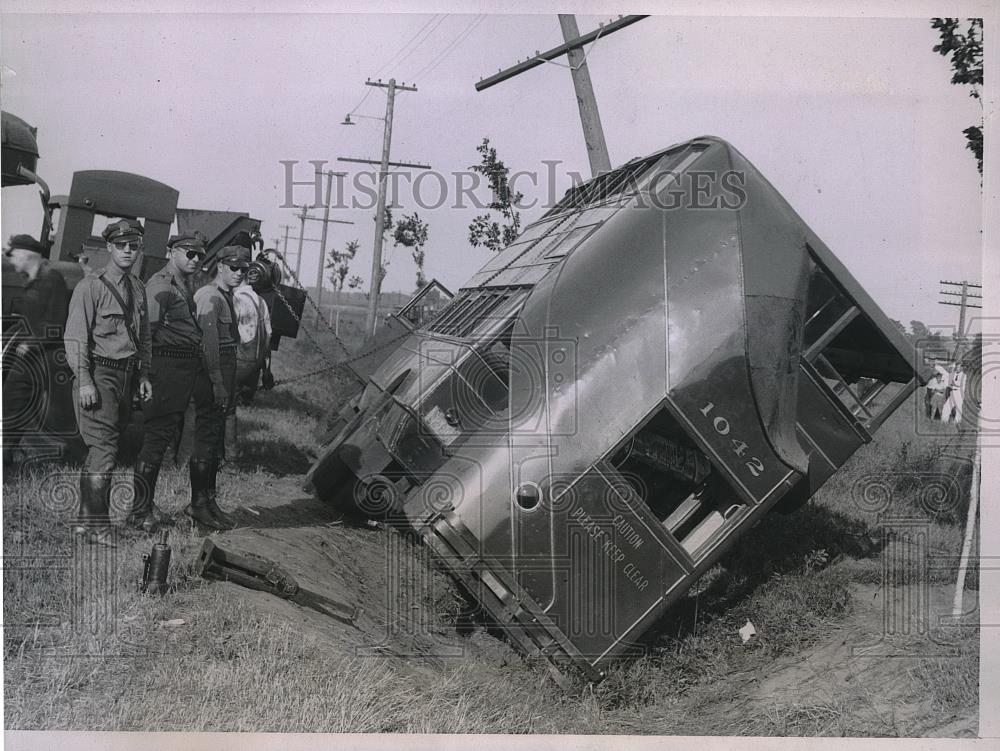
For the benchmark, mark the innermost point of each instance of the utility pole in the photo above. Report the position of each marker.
(302, 233)
(376, 279)
(327, 221)
(966, 296)
(303, 216)
(590, 118)
(284, 247)
(593, 134)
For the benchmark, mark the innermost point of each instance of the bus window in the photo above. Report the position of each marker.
(678, 484)
(847, 353)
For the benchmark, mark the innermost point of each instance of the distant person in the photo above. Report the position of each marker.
(952, 411)
(108, 348)
(937, 388)
(215, 389)
(176, 364)
(30, 388)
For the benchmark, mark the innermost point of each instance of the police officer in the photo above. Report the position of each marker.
(28, 392)
(108, 348)
(176, 340)
(215, 387)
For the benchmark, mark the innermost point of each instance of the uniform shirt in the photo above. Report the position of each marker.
(173, 318)
(44, 304)
(96, 323)
(219, 329)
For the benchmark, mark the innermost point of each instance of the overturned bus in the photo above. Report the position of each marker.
(666, 355)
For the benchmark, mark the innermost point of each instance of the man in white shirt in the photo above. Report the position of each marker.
(956, 393)
(254, 352)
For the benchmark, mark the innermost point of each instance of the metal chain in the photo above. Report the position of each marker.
(332, 365)
(293, 379)
(315, 307)
(302, 328)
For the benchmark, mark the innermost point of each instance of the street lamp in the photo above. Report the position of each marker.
(348, 121)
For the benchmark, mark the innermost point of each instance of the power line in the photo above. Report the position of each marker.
(395, 59)
(436, 17)
(460, 37)
(427, 36)
(358, 105)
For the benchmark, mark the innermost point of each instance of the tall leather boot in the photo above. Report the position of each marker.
(202, 473)
(144, 478)
(94, 520)
(220, 516)
(231, 438)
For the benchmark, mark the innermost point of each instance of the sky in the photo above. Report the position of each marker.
(853, 120)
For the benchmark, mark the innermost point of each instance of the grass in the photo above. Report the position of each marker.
(951, 682)
(247, 674)
(238, 663)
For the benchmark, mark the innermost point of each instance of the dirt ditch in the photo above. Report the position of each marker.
(858, 678)
(407, 611)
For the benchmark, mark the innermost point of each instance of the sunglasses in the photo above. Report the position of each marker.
(236, 268)
(193, 254)
(133, 245)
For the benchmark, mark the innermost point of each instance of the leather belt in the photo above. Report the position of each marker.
(176, 353)
(126, 363)
(227, 347)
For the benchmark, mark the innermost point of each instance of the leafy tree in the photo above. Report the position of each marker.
(339, 263)
(386, 229)
(920, 330)
(484, 230)
(387, 226)
(411, 232)
(966, 51)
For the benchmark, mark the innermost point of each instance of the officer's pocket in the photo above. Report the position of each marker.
(108, 324)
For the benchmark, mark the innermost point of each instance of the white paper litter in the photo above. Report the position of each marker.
(747, 632)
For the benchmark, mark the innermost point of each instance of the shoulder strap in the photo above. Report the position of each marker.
(129, 321)
(189, 299)
(234, 322)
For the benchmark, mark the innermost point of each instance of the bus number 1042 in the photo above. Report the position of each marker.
(740, 448)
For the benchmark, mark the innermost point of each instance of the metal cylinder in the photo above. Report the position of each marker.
(156, 565)
(264, 274)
